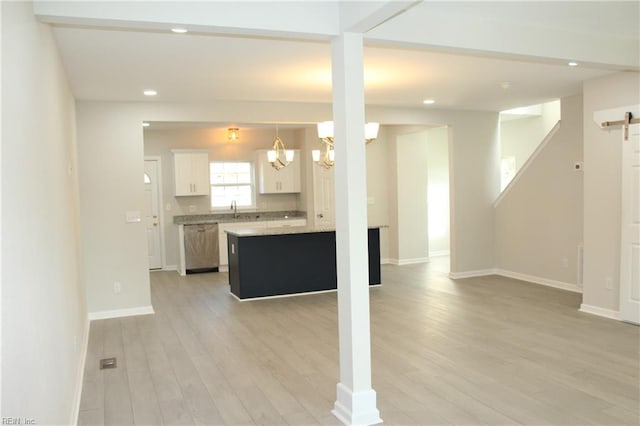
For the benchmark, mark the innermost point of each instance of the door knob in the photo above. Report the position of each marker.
(320, 215)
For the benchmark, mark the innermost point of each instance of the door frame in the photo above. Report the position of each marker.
(163, 257)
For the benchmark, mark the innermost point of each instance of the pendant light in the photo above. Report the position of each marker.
(278, 155)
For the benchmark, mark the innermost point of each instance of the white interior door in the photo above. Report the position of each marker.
(630, 249)
(152, 213)
(324, 196)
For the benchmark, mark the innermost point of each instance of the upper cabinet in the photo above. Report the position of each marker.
(283, 181)
(191, 172)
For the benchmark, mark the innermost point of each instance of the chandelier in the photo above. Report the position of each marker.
(325, 157)
(278, 155)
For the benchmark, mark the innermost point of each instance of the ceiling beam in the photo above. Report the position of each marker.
(550, 32)
(304, 20)
(360, 17)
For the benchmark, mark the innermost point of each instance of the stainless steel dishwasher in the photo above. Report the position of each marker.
(201, 248)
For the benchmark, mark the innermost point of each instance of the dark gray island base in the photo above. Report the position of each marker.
(273, 263)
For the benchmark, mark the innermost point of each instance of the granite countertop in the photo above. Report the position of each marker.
(195, 219)
(258, 232)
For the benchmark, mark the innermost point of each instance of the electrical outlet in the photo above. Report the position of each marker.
(608, 283)
(117, 287)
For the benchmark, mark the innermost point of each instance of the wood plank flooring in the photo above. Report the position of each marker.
(488, 350)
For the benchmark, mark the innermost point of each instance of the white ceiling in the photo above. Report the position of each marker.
(117, 65)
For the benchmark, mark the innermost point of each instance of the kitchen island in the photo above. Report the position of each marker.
(287, 261)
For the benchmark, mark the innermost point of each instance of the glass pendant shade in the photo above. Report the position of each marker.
(371, 131)
(325, 130)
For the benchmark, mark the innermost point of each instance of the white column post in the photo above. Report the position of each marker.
(356, 400)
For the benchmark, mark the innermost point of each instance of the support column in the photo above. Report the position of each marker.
(356, 400)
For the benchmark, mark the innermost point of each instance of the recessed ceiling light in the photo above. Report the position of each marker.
(573, 64)
(179, 30)
(145, 124)
(505, 85)
(150, 93)
(428, 101)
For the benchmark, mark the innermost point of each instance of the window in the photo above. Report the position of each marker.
(231, 181)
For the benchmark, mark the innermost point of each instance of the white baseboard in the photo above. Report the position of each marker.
(471, 274)
(386, 261)
(439, 253)
(401, 262)
(539, 280)
(413, 261)
(223, 268)
(118, 313)
(601, 312)
(77, 397)
(170, 268)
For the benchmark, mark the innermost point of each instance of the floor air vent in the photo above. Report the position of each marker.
(108, 363)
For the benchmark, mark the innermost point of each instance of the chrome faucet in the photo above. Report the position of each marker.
(234, 208)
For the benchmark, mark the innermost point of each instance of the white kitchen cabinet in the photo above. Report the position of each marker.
(222, 236)
(283, 181)
(191, 172)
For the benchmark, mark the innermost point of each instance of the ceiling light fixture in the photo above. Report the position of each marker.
(505, 85)
(179, 30)
(233, 134)
(150, 92)
(428, 101)
(277, 150)
(326, 156)
(573, 64)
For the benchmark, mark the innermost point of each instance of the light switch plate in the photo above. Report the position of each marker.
(133, 216)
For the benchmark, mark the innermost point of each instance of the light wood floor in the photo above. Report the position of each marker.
(476, 351)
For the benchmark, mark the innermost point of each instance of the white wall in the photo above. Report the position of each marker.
(474, 180)
(111, 166)
(417, 183)
(602, 188)
(412, 178)
(160, 143)
(539, 218)
(519, 137)
(44, 318)
(438, 190)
